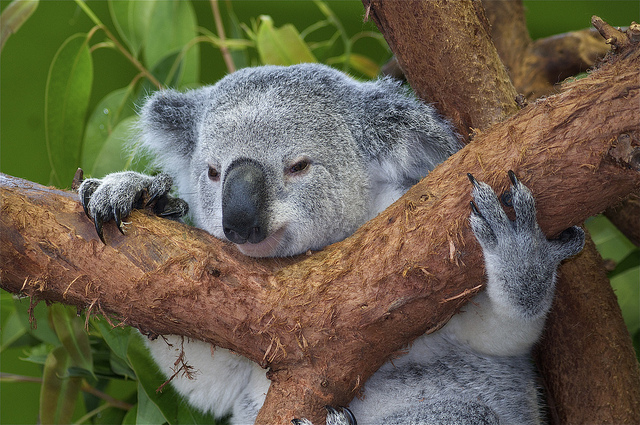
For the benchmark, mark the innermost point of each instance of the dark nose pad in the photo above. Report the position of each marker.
(244, 200)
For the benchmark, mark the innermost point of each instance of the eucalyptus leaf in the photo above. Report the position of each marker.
(66, 101)
(12, 330)
(281, 46)
(132, 18)
(131, 416)
(59, 392)
(114, 107)
(239, 56)
(70, 330)
(172, 27)
(38, 353)
(13, 16)
(116, 338)
(364, 65)
(148, 412)
(114, 154)
(170, 403)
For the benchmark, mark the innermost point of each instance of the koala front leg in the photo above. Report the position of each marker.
(117, 194)
(520, 265)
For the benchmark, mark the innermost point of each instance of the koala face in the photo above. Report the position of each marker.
(273, 180)
(281, 160)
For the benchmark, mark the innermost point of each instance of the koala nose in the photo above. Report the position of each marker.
(244, 200)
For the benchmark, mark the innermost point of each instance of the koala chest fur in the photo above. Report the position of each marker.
(282, 160)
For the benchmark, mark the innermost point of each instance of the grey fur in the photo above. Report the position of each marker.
(299, 157)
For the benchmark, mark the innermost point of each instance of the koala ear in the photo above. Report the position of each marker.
(169, 121)
(398, 129)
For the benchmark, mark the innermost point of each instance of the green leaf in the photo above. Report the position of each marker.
(59, 392)
(148, 412)
(38, 353)
(170, 403)
(70, 330)
(132, 18)
(130, 417)
(13, 16)
(36, 321)
(240, 55)
(116, 338)
(630, 261)
(281, 46)
(172, 27)
(114, 107)
(66, 100)
(12, 330)
(113, 155)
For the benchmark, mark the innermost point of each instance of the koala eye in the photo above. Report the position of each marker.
(299, 166)
(214, 175)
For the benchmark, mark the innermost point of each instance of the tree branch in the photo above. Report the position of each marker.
(444, 49)
(325, 323)
(537, 67)
(593, 374)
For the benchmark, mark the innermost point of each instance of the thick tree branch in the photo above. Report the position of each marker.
(445, 50)
(593, 377)
(327, 322)
(625, 217)
(537, 67)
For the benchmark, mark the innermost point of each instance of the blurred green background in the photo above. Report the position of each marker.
(27, 55)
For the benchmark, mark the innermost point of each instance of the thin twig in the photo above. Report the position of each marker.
(226, 55)
(119, 46)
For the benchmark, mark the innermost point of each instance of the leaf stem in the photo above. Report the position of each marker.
(226, 55)
(119, 46)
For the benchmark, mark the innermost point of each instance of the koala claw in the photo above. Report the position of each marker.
(115, 196)
(517, 250)
(472, 179)
(339, 416)
(171, 208)
(90, 187)
(97, 221)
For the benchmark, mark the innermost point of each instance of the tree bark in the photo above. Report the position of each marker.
(326, 323)
(538, 67)
(594, 378)
(535, 68)
(444, 49)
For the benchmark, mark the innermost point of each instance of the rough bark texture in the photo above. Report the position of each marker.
(599, 385)
(435, 42)
(329, 321)
(625, 217)
(536, 68)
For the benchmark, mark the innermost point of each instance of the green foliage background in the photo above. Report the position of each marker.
(68, 98)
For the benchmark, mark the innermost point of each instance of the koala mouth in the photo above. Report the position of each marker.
(270, 247)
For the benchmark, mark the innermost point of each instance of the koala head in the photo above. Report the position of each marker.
(277, 160)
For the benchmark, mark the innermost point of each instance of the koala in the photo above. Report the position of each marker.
(282, 160)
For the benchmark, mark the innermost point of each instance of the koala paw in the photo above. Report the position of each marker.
(339, 416)
(117, 194)
(521, 262)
